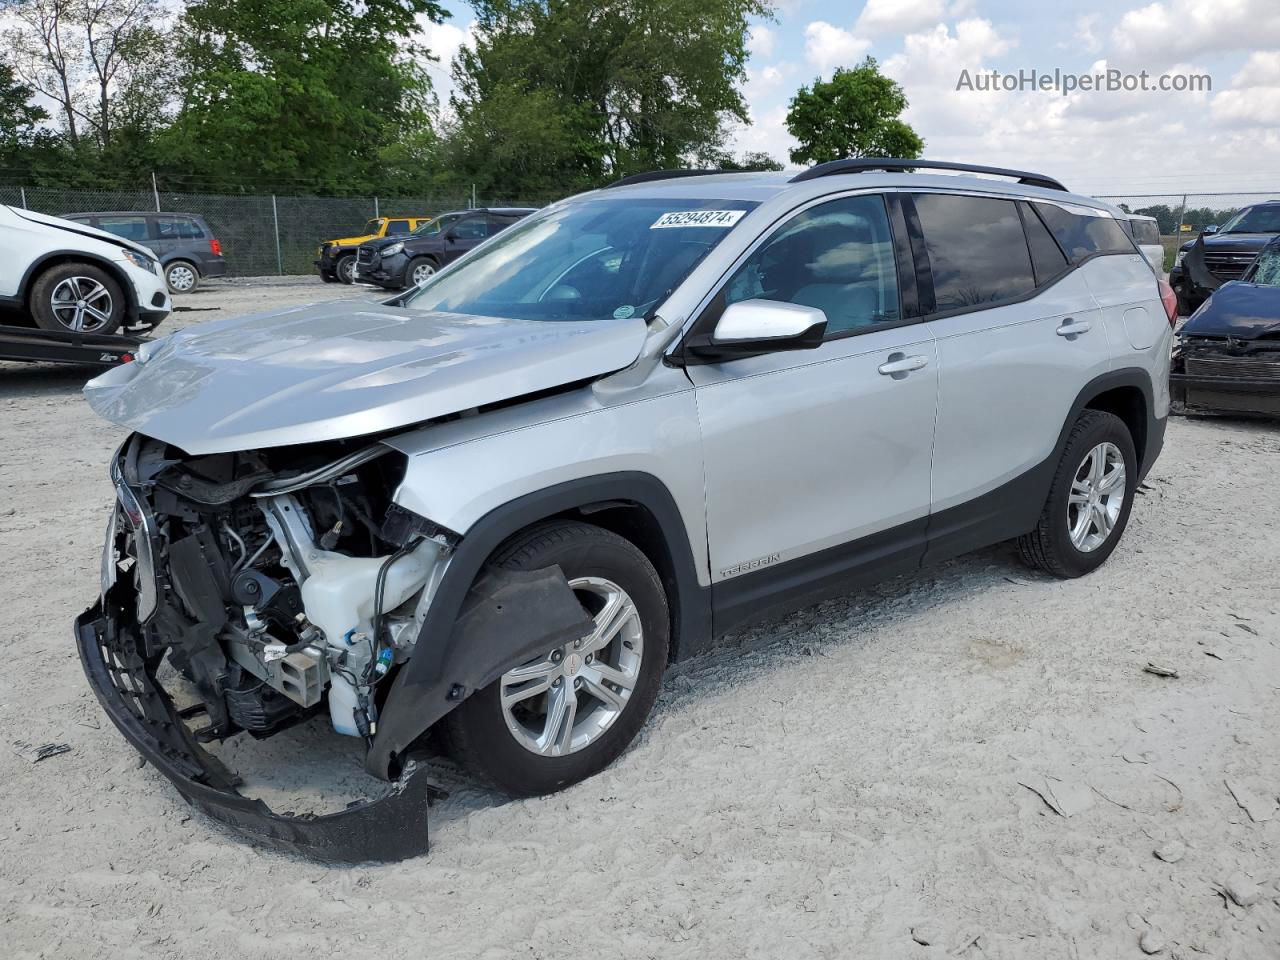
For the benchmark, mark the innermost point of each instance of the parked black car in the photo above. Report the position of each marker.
(400, 262)
(183, 242)
(1227, 358)
(1225, 254)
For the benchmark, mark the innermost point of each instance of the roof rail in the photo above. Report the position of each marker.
(664, 175)
(900, 165)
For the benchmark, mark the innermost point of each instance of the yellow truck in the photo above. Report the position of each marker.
(336, 259)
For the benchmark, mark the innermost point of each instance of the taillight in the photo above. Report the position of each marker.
(1170, 301)
(215, 247)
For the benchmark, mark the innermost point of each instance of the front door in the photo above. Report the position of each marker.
(817, 461)
(464, 235)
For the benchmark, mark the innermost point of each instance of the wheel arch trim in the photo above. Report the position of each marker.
(424, 690)
(53, 257)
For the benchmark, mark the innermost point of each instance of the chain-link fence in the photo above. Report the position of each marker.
(263, 234)
(260, 234)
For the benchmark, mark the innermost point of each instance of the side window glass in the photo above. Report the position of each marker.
(397, 228)
(177, 228)
(472, 228)
(1046, 256)
(977, 251)
(128, 228)
(1082, 235)
(837, 256)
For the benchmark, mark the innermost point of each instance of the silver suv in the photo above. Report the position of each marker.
(499, 504)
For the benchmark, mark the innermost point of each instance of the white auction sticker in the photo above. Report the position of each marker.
(698, 218)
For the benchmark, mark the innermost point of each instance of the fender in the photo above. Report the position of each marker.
(1014, 508)
(440, 675)
(130, 295)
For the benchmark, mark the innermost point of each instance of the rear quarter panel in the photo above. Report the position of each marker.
(1138, 330)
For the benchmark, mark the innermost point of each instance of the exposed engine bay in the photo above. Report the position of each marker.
(285, 583)
(274, 585)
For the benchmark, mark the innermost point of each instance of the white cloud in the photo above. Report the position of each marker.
(827, 46)
(1085, 27)
(760, 41)
(1262, 69)
(903, 16)
(941, 54)
(1163, 32)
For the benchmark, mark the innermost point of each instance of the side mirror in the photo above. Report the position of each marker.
(1211, 228)
(761, 326)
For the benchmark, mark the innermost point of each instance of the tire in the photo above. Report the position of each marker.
(57, 294)
(327, 277)
(423, 265)
(1069, 541)
(345, 268)
(498, 744)
(181, 276)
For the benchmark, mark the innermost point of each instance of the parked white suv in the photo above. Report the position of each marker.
(74, 278)
(501, 502)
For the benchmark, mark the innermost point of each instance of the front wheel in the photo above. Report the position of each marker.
(568, 713)
(1089, 500)
(345, 268)
(181, 277)
(78, 298)
(419, 272)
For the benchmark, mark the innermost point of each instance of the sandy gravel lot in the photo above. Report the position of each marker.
(821, 786)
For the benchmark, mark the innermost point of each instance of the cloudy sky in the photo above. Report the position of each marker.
(1097, 142)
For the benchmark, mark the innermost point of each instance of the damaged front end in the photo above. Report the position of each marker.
(1226, 375)
(260, 589)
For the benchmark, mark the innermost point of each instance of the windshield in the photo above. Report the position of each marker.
(1254, 220)
(590, 260)
(373, 226)
(429, 226)
(1266, 269)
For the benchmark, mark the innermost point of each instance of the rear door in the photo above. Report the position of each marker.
(1019, 335)
(817, 461)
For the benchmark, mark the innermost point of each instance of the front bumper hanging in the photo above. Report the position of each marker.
(123, 678)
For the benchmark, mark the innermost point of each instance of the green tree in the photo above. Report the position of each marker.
(752, 160)
(854, 114)
(560, 94)
(310, 94)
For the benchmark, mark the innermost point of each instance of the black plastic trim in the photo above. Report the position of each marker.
(420, 694)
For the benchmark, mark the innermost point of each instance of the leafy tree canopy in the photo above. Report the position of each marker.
(854, 114)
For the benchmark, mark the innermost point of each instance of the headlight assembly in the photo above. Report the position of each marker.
(139, 260)
(393, 249)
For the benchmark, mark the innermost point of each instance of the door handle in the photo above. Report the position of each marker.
(900, 364)
(1070, 327)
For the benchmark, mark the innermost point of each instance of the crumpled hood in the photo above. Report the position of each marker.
(1231, 242)
(345, 369)
(1245, 311)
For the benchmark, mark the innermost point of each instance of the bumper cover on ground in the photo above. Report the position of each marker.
(391, 828)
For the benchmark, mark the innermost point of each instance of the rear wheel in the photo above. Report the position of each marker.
(567, 713)
(1089, 501)
(78, 298)
(345, 268)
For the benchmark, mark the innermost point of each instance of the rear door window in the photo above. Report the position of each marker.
(1145, 231)
(177, 228)
(127, 228)
(1047, 257)
(977, 250)
(1082, 232)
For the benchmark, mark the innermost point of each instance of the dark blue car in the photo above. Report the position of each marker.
(1221, 255)
(1227, 358)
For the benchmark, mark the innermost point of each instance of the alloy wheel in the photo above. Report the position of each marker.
(82, 304)
(565, 700)
(1096, 498)
(422, 273)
